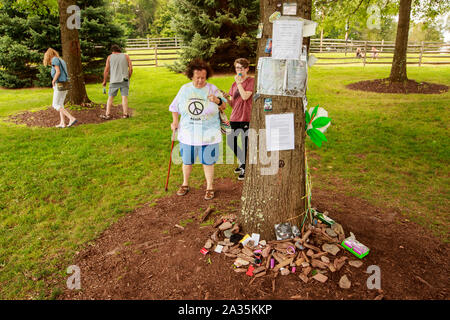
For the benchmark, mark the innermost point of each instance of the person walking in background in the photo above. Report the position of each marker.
(374, 53)
(240, 100)
(195, 113)
(119, 68)
(359, 53)
(59, 77)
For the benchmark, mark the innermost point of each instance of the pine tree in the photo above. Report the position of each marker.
(217, 31)
(26, 33)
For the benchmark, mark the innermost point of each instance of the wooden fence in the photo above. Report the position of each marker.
(153, 51)
(338, 51)
(158, 51)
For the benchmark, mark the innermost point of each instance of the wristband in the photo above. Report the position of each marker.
(220, 102)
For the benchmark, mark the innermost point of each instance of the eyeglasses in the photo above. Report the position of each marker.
(239, 68)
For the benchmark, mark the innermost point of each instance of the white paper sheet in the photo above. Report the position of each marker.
(287, 38)
(280, 133)
(309, 28)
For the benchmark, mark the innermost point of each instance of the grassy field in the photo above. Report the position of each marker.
(59, 189)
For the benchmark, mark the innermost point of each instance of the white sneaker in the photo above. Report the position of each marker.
(242, 175)
(60, 126)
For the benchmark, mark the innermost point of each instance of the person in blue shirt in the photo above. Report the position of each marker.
(59, 74)
(195, 113)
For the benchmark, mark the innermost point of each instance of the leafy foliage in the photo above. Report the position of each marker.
(317, 122)
(28, 28)
(135, 16)
(216, 31)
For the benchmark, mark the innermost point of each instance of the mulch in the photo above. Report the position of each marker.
(409, 86)
(87, 113)
(145, 256)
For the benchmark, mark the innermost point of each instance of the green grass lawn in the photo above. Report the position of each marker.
(59, 189)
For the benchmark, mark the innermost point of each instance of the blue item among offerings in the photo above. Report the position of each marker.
(268, 104)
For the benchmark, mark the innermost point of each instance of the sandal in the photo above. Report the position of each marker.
(60, 126)
(183, 190)
(209, 195)
(72, 123)
(105, 117)
(126, 116)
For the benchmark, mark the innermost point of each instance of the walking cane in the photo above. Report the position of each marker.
(170, 160)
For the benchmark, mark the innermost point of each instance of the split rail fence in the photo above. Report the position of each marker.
(160, 51)
(339, 51)
(153, 51)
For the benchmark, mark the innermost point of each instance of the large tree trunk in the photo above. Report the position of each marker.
(398, 70)
(271, 199)
(72, 55)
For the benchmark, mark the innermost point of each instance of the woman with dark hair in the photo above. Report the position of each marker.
(240, 100)
(195, 113)
(59, 74)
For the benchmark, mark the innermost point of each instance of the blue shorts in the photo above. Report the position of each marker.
(208, 154)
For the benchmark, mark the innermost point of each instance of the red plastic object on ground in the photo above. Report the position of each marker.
(250, 271)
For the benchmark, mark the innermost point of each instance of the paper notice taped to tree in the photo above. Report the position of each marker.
(280, 133)
(287, 38)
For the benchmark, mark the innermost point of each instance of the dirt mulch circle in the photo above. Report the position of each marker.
(144, 256)
(89, 113)
(410, 86)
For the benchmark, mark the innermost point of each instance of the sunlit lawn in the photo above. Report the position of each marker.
(59, 189)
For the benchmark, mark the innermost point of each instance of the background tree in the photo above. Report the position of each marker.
(398, 69)
(217, 31)
(135, 16)
(98, 32)
(23, 39)
(425, 31)
(336, 19)
(71, 49)
(162, 25)
(428, 9)
(26, 32)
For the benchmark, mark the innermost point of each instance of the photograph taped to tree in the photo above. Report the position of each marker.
(282, 77)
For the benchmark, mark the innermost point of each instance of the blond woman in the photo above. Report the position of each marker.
(59, 74)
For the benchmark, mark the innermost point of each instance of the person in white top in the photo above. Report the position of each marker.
(120, 69)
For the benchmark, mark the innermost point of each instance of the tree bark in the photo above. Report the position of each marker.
(72, 55)
(398, 70)
(271, 199)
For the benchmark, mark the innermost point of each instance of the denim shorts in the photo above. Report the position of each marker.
(124, 87)
(208, 154)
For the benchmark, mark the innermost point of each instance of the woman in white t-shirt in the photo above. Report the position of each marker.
(195, 113)
(59, 74)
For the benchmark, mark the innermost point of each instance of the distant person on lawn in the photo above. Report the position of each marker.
(374, 53)
(359, 53)
(59, 74)
(120, 69)
(195, 113)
